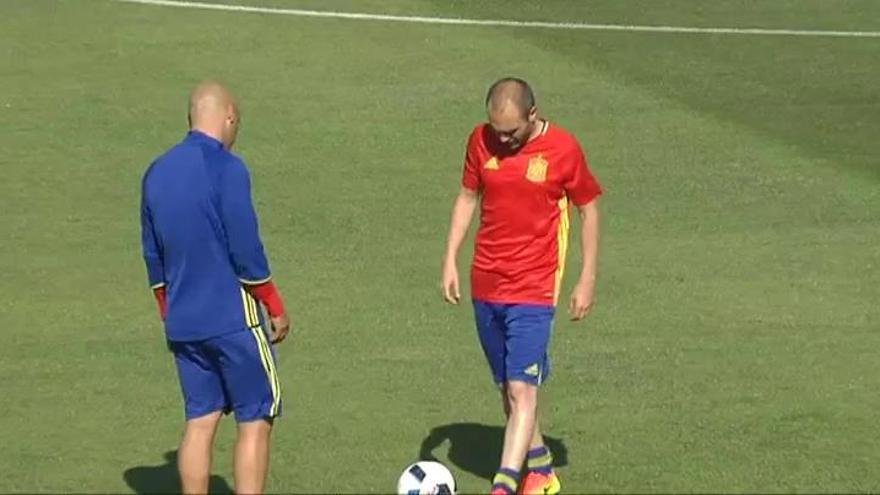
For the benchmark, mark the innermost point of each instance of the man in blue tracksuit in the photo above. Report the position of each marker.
(208, 271)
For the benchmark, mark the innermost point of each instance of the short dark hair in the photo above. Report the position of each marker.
(524, 99)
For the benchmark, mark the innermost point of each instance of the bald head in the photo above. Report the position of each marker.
(510, 92)
(512, 112)
(214, 111)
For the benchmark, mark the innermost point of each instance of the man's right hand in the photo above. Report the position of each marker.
(280, 327)
(451, 292)
(462, 213)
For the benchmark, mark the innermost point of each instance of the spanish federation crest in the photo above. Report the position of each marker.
(537, 171)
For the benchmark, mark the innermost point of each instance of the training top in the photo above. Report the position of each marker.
(201, 239)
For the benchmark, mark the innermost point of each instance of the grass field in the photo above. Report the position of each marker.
(734, 347)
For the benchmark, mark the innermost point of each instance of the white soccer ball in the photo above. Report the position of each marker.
(426, 478)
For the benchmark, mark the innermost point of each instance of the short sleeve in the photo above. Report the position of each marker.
(471, 175)
(580, 185)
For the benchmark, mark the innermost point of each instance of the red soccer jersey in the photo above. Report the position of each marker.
(524, 221)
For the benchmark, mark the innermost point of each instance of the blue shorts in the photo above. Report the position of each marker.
(230, 372)
(515, 339)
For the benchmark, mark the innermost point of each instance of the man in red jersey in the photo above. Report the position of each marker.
(524, 172)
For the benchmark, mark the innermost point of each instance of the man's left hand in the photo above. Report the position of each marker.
(581, 300)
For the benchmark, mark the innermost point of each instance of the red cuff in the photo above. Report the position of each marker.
(161, 300)
(268, 295)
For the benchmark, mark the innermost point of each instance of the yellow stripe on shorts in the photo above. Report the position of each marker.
(269, 367)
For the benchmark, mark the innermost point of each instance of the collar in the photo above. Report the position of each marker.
(201, 137)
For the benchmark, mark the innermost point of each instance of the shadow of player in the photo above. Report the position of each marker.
(476, 448)
(165, 478)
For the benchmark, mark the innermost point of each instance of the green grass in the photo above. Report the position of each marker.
(733, 348)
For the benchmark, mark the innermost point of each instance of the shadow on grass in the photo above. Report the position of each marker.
(476, 448)
(165, 479)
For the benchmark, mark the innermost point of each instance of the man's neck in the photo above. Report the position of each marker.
(538, 129)
(208, 132)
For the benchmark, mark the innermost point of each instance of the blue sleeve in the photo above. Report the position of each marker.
(151, 246)
(240, 222)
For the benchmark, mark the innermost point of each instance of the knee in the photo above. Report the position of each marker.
(204, 426)
(255, 430)
(521, 396)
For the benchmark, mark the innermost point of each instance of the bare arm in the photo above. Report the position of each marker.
(462, 215)
(584, 292)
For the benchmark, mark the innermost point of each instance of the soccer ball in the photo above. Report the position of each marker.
(426, 478)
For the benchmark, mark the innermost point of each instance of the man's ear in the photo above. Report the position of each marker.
(533, 114)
